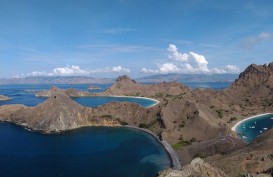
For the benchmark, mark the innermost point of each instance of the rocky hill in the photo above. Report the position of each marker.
(197, 168)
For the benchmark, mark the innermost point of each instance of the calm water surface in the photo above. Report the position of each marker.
(251, 128)
(85, 152)
(21, 94)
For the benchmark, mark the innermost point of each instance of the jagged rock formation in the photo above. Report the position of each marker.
(4, 98)
(197, 168)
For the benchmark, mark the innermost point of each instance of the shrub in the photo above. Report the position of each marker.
(181, 144)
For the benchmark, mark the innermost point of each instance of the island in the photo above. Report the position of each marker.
(94, 87)
(196, 122)
(4, 98)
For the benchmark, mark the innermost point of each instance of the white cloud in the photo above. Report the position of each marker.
(119, 69)
(75, 71)
(250, 42)
(175, 55)
(188, 63)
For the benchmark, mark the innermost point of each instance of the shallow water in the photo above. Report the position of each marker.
(250, 129)
(85, 152)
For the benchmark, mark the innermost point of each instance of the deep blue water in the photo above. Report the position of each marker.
(251, 128)
(85, 152)
(24, 94)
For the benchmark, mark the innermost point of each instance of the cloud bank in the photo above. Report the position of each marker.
(188, 63)
(250, 42)
(75, 71)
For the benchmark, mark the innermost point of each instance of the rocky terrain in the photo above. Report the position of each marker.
(4, 98)
(197, 168)
(196, 122)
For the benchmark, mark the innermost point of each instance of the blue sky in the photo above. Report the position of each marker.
(107, 38)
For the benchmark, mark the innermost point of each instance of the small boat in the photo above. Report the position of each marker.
(271, 118)
(261, 131)
(265, 128)
(244, 137)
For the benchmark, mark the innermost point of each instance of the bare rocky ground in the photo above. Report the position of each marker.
(196, 122)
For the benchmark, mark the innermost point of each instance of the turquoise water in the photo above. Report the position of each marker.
(252, 128)
(85, 152)
(97, 101)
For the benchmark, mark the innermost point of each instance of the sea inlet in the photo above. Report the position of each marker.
(83, 152)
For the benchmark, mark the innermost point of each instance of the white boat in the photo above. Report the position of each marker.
(265, 128)
(244, 137)
(261, 131)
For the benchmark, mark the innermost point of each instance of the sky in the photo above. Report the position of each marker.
(107, 38)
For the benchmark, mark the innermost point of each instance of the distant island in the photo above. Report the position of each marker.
(93, 87)
(4, 98)
(197, 122)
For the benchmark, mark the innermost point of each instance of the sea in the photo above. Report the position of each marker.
(84, 152)
(251, 128)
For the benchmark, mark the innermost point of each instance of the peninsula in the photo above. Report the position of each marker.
(197, 122)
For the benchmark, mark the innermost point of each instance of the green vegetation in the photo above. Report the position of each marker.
(199, 155)
(181, 144)
(121, 121)
(142, 125)
(220, 113)
(268, 103)
(232, 119)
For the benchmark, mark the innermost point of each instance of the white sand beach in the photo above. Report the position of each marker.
(252, 117)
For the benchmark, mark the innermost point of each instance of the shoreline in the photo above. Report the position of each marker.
(175, 164)
(252, 117)
(156, 101)
(174, 161)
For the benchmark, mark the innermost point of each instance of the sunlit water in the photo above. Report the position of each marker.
(250, 129)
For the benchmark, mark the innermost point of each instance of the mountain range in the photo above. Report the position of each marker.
(182, 78)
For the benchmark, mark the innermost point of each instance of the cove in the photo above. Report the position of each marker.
(84, 152)
(20, 95)
(249, 128)
(100, 100)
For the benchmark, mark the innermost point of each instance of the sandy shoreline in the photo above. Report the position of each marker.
(175, 164)
(252, 117)
(156, 101)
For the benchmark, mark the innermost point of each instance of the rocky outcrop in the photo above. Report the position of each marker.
(93, 87)
(126, 86)
(70, 92)
(4, 98)
(197, 168)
